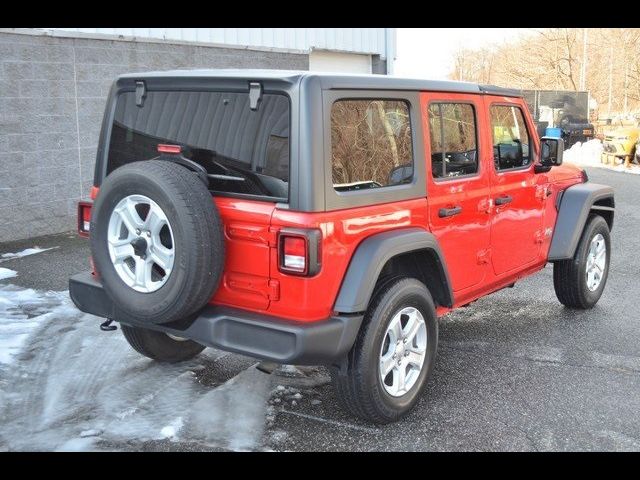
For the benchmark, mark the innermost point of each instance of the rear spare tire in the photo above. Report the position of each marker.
(156, 242)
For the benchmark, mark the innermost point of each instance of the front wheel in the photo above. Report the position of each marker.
(160, 346)
(579, 282)
(392, 358)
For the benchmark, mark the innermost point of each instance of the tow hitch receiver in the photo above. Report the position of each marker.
(107, 327)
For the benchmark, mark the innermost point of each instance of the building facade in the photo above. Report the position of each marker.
(54, 83)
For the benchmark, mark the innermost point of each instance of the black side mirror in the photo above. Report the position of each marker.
(551, 153)
(401, 174)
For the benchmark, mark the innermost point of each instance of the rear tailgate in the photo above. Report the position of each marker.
(244, 149)
(245, 282)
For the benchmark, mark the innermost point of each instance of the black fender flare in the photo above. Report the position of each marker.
(574, 207)
(372, 255)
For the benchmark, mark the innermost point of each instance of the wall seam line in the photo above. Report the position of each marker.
(75, 91)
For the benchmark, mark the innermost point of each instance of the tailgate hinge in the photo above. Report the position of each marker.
(273, 236)
(141, 93)
(255, 95)
(274, 290)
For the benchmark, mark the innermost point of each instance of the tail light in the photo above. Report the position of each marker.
(84, 218)
(299, 251)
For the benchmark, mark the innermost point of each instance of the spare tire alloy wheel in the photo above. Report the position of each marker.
(157, 243)
(141, 243)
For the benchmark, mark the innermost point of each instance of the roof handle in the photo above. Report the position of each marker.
(255, 95)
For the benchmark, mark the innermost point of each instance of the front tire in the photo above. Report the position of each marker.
(159, 346)
(579, 282)
(384, 376)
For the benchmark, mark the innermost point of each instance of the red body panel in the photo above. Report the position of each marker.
(248, 244)
(485, 248)
(465, 237)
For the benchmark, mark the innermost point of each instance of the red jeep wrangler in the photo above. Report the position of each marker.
(307, 218)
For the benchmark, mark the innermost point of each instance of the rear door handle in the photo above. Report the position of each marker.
(503, 200)
(449, 212)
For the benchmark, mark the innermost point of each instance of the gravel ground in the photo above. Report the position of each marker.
(514, 371)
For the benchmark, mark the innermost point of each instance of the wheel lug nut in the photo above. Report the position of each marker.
(137, 231)
(393, 356)
(404, 340)
(406, 353)
(149, 234)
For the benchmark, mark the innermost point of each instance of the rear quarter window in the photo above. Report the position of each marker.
(245, 152)
(371, 144)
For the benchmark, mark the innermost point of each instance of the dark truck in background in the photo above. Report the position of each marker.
(565, 110)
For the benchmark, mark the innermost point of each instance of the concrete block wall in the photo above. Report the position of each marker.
(52, 97)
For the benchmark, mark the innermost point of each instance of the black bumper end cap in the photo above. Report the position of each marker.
(89, 296)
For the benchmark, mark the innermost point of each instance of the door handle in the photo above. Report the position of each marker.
(503, 200)
(449, 212)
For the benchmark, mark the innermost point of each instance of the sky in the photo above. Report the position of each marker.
(429, 52)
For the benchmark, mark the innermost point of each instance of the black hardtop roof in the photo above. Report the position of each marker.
(332, 80)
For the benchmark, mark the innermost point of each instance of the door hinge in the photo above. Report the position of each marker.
(484, 256)
(485, 205)
(542, 192)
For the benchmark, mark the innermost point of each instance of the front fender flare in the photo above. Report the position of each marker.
(372, 255)
(576, 203)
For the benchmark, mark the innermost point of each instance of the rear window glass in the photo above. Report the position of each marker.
(244, 151)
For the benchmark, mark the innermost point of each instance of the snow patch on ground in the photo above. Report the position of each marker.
(26, 252)
(6, 273)
(588, 154)
(66, 385)
(21, 310)
(171, 430)
(228, 415)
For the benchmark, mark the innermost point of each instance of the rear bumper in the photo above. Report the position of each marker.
(234, 330)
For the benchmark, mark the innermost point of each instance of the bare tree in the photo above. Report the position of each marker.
(557, 58)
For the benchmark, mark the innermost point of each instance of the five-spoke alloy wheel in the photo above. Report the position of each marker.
(403, 351)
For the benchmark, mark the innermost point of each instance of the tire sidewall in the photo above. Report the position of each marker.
(405, 293)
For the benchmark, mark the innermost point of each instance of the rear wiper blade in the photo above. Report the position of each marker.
(231, 178)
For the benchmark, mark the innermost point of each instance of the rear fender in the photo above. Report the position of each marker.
(371, 257)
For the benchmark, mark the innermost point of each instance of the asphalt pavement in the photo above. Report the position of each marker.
(514, 371)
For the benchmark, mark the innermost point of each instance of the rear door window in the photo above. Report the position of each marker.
(244, 151)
